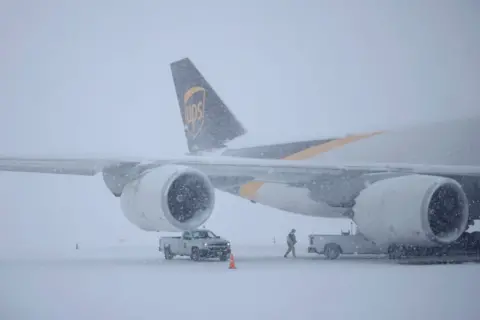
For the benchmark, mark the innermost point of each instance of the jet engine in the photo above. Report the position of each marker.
(169, 198)
(419, 210)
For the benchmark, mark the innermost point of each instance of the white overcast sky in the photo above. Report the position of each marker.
(92, 77)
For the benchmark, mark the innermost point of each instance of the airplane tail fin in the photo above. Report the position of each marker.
(208, 122)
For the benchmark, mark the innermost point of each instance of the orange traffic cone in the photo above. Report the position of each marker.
(232, 262)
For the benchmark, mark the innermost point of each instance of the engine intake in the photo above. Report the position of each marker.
(169, 198)
(414, 210)
(187, 196)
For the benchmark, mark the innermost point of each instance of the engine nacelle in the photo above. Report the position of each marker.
(169, 198)
(416, 210)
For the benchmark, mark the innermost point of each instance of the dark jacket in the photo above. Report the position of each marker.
(291, 238)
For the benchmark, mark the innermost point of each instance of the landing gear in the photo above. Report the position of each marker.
(396, 252)
(465, 249)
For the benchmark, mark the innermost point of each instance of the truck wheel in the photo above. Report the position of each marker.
(332, 252)
(224, 257)
(195, 255)
(168, 253)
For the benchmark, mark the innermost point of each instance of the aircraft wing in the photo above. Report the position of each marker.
(70, 166)
(278, 171)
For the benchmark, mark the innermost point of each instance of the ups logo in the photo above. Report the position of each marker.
(194, 110)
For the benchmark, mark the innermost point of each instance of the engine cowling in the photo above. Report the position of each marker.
(169, 198)
(416, 210)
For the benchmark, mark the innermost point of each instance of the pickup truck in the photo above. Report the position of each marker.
(345, 243)
(196, 244)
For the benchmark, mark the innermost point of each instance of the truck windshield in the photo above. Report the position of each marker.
(203, 234)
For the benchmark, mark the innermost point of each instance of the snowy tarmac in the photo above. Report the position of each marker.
(128, 282)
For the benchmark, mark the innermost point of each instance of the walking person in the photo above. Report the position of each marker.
(291, 241)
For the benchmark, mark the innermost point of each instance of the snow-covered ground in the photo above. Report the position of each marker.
(119, 274)
(135, 282)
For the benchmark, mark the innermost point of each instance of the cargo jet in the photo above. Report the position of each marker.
(418, 186)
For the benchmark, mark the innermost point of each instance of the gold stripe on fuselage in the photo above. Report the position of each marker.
(250, 189)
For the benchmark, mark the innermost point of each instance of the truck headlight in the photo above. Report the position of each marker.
(228, 244)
